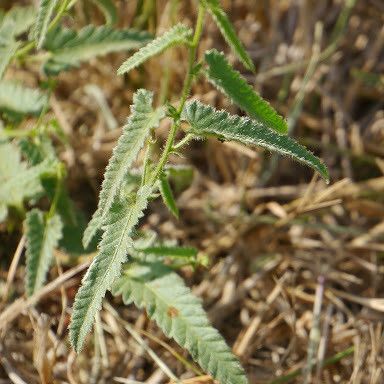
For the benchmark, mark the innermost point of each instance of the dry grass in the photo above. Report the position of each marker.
(296, 277)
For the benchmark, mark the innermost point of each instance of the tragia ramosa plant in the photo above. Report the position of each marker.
(127, 263)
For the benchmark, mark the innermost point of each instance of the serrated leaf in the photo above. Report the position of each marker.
(42, 237)
(15, 22)
(176, 35)
(69, 48)
(44, 16)
(180, 315)
(228, 32)
(143, 118)
(17, 181)
(106, 266)
(167, 195)
(221, 74)
(109, 10)
(6, 54)
(205, 120)
(16, 98)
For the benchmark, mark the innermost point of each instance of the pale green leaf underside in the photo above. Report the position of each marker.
(69, 48)
(42, 237)
(167, 195)
(221, 74)
(109, 10)
(228, 32)
(180, 315)
(17, 181)
(15, 22)
(143, 118)
(6, 54)
(106, 266)
(44, 15)
(16, 98)
(205, 120)
(176, 35)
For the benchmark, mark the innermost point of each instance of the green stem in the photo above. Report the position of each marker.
(184, 94)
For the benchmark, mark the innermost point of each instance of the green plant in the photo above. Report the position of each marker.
(128, 263)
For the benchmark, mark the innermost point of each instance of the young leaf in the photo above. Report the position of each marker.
(106, 266)
(42, 236)
(167, 195)
(44, 16)
(17, 182)
(221, 74)
(6, 54)
(229, 32)
(15, 98)
(109, 10)
(176, 35)
(69, 48)
(205, 120)
(143, 118)
(180, 315)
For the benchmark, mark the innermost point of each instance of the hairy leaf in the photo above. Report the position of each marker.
(205, 120)
(17, 181)
(106, 266)
(229, 32)
(143, 118)
(16, 98)
(15, 22)
(6, 54)
(180, 315)
(109, 10)
(69, 48)
(176, 35)
(221, 74)
(167, 195)
(44, 16)
(42, 236)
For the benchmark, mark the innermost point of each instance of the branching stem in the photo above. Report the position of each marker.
(184, 94)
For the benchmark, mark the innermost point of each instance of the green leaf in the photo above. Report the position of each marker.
(221, 74)
(181, 176)
(44, 16)
(106, 266)
(180, 315)
(15, 98)
(69, 48)
(17, 181)
(143, 118)
(6, 54)
(228, 32)
(15, 22)
(167, 195)
(205, 120)
(109, 10)
(42, 237)
(169, 251)
(176, 35)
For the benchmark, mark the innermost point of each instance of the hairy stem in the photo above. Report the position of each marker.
(184, 93)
